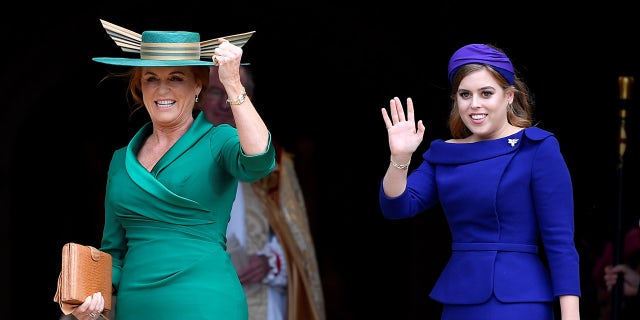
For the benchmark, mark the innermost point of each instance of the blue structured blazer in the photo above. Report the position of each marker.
(502, 199)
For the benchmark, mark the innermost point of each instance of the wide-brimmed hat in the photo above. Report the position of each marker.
(165, 48)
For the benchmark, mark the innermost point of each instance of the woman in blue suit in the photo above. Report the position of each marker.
(504, 188)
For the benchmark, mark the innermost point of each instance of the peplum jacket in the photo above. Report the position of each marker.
(506, 202)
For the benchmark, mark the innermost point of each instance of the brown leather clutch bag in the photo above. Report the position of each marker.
(85, 270)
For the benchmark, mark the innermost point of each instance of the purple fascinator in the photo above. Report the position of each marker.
(481, 54)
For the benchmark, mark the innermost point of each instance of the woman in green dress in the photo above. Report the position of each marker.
(170, 190)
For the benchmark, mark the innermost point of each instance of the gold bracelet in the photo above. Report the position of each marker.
(400, 166)
(239, 100)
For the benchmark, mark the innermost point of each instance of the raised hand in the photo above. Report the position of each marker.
(227, 57)
(404, 137)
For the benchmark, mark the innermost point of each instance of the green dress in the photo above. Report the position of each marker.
(166, 228)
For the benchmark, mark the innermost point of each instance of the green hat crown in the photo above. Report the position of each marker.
(170, 45)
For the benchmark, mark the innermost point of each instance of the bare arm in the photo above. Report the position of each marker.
(569, 307)
(404, 139)
(253, 132)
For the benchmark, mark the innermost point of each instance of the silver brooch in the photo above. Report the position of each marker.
(513, 142)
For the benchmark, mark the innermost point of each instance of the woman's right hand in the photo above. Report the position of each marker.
(404, 138)
(91, 308)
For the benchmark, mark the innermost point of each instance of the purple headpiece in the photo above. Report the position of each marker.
(481, 54)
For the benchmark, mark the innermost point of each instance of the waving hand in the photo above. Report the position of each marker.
(404, 139)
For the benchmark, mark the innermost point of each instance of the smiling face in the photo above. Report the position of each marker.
(482, 105)
(169, 93)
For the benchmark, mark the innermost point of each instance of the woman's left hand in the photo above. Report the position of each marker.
(227, 58)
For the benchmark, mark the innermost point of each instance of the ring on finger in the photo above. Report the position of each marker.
(215, 60)
(93, 314)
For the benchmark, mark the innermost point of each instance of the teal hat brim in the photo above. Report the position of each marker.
(151, 63)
